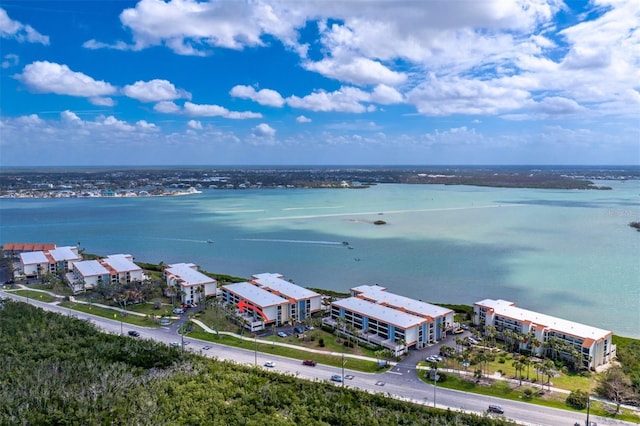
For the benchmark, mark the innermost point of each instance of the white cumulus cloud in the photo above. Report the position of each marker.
(217, 111)
(19, 31)
(194, 124)
(49, 77)
(10, 60)
(303, 119)
(166, 107)
(264, 130)
(154, 91)
(266, 97)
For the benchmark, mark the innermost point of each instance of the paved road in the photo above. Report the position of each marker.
(401, 382)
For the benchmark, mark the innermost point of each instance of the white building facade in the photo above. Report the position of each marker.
(193, 285)
(396, 322)
(593, 344)
(302, 302)
(114, 269)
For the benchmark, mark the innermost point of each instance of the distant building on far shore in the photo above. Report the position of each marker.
(591, 343)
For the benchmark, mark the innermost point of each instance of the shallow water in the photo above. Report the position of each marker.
(564, 253)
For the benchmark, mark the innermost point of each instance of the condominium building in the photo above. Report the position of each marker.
(114, 269)
(49, 261)
(302, 302)
(592, 343)
(270, 299)
(192, 285)
(396, 322)
(259, 306)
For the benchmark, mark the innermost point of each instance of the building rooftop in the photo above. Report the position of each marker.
(275, 282)
(90, 268)
(28, 246)
(381, 296)
(64, 253)
(33, 257)
(121, 263)
(189, 274)
(379, 312)
(508, 309)
(255, 294)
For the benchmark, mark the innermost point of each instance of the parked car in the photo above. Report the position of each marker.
(175, 344)
(270, 364)
(298, 330)
(458, 331)
(336, 378)
(464, 327)
(495, 409)
(178, 311)
(133, 333)
(282, 334)
(310, 362)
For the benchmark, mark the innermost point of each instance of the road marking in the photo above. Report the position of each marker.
(394, 372)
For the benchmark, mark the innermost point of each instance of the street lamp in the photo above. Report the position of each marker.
(588, 406)
(255, 342)
(435, 381)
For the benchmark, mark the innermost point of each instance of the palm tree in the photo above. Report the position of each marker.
(490, 333)
(549, 371)
(526, 362)
(517, 364)
(534, 343)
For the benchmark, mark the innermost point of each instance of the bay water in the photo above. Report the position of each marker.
(567, 253)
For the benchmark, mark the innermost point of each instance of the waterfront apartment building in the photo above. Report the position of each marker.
(302, 301)
(592, 343)
(113, 269)
(396, 322)
(258, 307)
(268, 299)
(36, 263)
(191, 284)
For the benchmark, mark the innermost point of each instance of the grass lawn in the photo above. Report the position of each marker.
(501, 389)
(248, 343)
(36, 295)
(110, 313)
(217, 319)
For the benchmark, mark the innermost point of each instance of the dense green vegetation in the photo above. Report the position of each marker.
(61, 370)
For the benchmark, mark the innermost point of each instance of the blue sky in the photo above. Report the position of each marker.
(182, 82)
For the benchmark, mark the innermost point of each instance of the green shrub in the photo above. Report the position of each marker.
(577, 399)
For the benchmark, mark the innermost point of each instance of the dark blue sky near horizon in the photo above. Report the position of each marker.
(183, 82)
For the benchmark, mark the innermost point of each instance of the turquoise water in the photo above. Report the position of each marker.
(564, 253)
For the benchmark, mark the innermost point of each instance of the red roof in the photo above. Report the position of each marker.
(28, 247)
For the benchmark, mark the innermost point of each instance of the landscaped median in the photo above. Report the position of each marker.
(249, 343)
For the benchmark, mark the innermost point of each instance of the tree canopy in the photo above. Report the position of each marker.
(62, 370)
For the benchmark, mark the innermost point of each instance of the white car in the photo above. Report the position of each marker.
(270, 364)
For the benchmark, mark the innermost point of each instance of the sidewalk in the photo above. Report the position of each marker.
(74, 300)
